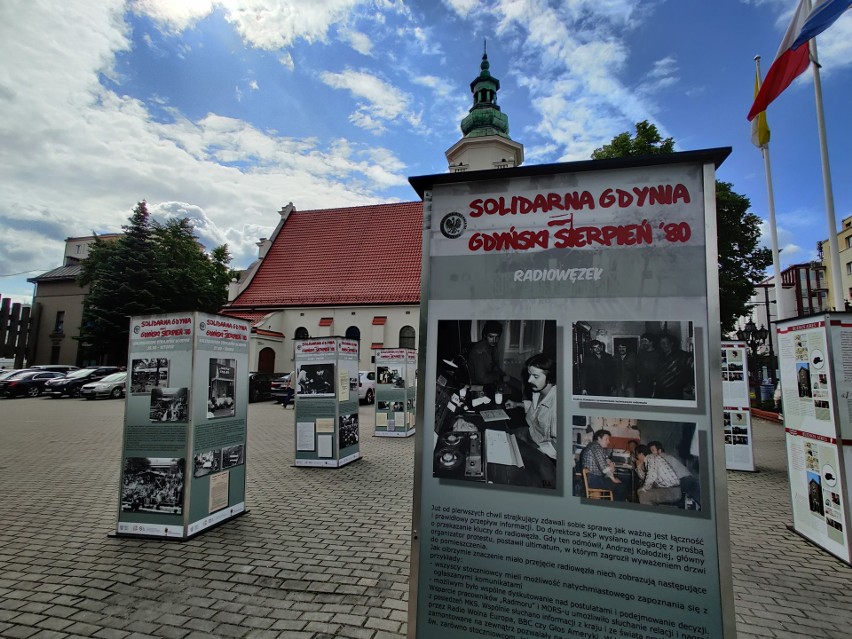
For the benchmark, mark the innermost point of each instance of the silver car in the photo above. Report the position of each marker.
(112, 386)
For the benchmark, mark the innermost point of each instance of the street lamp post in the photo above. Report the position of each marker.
(754, 338)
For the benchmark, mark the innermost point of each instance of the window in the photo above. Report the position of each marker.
(54, 354)
(302, 333)
(848, 268)
(353, 332)
(60, 322)
(849, 241)
(407, 337)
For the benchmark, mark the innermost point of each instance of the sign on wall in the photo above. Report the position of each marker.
(569, 480)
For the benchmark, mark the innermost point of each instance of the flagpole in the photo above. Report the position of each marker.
(836, 285)
(773, 229)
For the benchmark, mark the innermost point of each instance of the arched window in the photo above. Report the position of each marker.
(301, 333)
(266, 360)
(407, 337)
(353, 332)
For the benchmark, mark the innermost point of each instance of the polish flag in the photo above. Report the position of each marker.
(788, 64)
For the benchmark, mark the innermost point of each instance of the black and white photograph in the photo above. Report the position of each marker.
(233, 456)
(495, 397)
(210, 461)
(347, 433)
(152, 485)
(639, 362)
(392, 375)
(221, 399)
(315, 380)
(169, 405)
(640, 461)
(148, 373)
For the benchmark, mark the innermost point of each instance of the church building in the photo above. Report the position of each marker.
(355, 271)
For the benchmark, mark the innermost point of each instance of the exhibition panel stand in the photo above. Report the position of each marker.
(327, 432)
(395, 392)
(739, 444)
(570, 345)
(184, 448)
(816, 381)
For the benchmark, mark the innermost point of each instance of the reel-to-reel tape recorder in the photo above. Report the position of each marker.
(459, 455)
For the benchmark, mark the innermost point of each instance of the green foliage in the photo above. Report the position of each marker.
(741, 261)
(153, 268)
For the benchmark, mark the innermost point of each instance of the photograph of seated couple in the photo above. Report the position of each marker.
(626, 460)
(496, 391)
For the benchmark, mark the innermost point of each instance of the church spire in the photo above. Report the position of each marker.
(485, 116)
(485, 142)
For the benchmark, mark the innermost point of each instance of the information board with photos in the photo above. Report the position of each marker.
(327, 428)
(184, 447)
(570, 473)
(736, 415)
(815, 358)
(395, 392)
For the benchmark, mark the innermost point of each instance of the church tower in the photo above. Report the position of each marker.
(485, 143)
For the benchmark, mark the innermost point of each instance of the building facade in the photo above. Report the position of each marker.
(58, 307)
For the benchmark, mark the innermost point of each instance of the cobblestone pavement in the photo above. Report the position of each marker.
(322, 552)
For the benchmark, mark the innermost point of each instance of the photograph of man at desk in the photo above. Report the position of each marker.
(495, 402)
(647, 462)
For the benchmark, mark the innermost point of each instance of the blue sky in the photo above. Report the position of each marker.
(225, 111)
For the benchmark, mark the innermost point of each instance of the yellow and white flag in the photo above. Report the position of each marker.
(759, 127)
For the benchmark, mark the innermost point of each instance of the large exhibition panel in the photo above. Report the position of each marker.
(815, 357)
(570, 475)
(184, 448)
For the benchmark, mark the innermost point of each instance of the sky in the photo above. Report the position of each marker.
(224, 111)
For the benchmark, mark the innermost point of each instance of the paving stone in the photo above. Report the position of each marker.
(315, 556)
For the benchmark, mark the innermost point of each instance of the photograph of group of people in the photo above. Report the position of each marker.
(733, 369)
(392, 375)
(222, 385)
(315, 380)
(649, 360)
(148, 373)
(736, 427)
(648, 462)
(496, 408)
(169, 404)
(348, 434)
(153, 485)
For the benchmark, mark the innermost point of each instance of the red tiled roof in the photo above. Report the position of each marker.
(252, 316)
(377, 345)
(326, 321)
(355, 255)
(380, 320)
(267, 333)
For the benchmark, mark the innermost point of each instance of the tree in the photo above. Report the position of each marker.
(741, 261)
(153, 268)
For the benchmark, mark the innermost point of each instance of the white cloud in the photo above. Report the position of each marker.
(88, 154)
(383, 102)
(361, 42)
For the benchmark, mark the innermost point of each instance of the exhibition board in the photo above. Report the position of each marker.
(184, 445)
(570, 473)
(396, 392)
(327, 428)
(815, 359)
(736, 415)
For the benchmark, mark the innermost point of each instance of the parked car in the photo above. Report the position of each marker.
(72, 383)
(367, 386)
(26, 383)
(6, 373)
(281, 389)
(260, 386)
(56, 368)
(112, 386)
